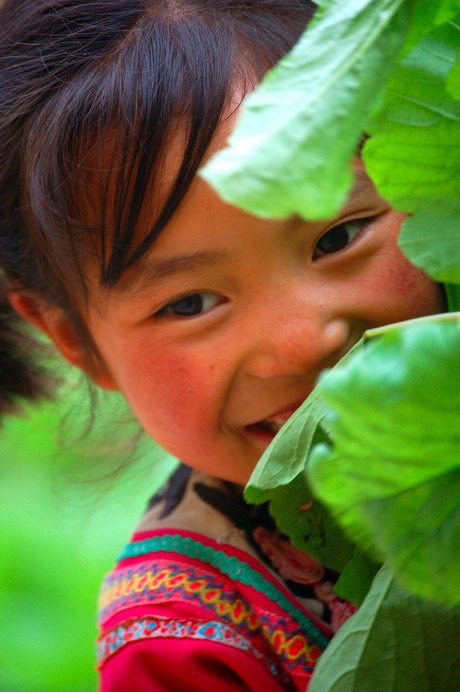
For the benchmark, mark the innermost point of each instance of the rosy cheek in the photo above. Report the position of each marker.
(418, 292)
(168, 392)
(404, 290)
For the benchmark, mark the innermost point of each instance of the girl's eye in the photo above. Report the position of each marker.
(338, 238)
(191, 305)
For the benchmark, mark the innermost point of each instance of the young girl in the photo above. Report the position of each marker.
(214, 324)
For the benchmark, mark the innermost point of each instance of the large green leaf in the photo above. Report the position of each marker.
(291, 149)
(453, 296)
(279, 478)
(425, 15)
(356, 578)
(446, 10)
(453, 80)
(392, 478)
(437, 253)
(414, 153)
(310, 525)
(286, 457)
(396, 642)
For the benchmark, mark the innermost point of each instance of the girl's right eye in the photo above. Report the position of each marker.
(339, 237)
(190, 306)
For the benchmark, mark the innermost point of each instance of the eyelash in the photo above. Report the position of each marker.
(333, 234)
(166, 311)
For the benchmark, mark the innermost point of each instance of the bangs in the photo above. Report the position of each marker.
(96, 150)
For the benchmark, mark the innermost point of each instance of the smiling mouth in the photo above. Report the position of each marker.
(266, 429)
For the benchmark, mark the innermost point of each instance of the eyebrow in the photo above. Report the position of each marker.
(362, 189)
(148, 273)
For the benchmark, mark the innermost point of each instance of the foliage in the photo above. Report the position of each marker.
(414, 157)
(393, 474)
(57, 540)
(410, 660)
(379, 437)
(333, 67)
(279, 478)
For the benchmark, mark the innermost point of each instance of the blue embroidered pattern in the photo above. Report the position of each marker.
(153, 628)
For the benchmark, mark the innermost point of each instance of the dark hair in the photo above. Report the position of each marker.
(22, 377)
(94, 90)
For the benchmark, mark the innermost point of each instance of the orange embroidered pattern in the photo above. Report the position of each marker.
(160, 581)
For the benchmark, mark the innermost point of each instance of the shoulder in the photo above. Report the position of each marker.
(198, 601)
(215, 602)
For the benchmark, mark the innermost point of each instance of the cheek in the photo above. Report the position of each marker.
(170, 391)
(407, 292)
(396, 290)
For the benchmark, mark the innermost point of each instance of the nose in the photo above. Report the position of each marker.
(297, 343)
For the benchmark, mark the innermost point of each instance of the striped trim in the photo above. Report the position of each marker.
(229, 565)
(158, 628)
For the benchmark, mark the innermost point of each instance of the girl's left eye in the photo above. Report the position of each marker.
(191, 305)
(338, 238)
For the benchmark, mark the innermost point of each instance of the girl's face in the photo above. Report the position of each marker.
(221, 331)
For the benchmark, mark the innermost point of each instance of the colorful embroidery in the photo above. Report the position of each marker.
(160, 581)
(229, 565)
(154, 628)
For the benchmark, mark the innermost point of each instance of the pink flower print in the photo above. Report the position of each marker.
(324, 592)
(292, 563)
(341, 610)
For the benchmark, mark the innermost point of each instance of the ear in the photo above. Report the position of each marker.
(53, 321)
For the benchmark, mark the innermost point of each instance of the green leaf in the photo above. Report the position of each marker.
(447, 9)
(453, 296)
(396, 642)
(291, 149)
(356, 578)
(413, 152)
(437, 253)
(309, 525)
(426, 15)
(286, 457)
(413, 156)
(453, 80)
(279, 478)
(392, 479)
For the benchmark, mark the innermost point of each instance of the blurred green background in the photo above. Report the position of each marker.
(60, 531)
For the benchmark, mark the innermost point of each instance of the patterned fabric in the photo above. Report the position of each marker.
(215, 576)
(207, 502)
(151, 628)
(240, 571)
(274, 637)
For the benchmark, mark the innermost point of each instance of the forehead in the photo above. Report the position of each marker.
(120, 195)
(199, 209)
(207, 231)
(127, 198)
